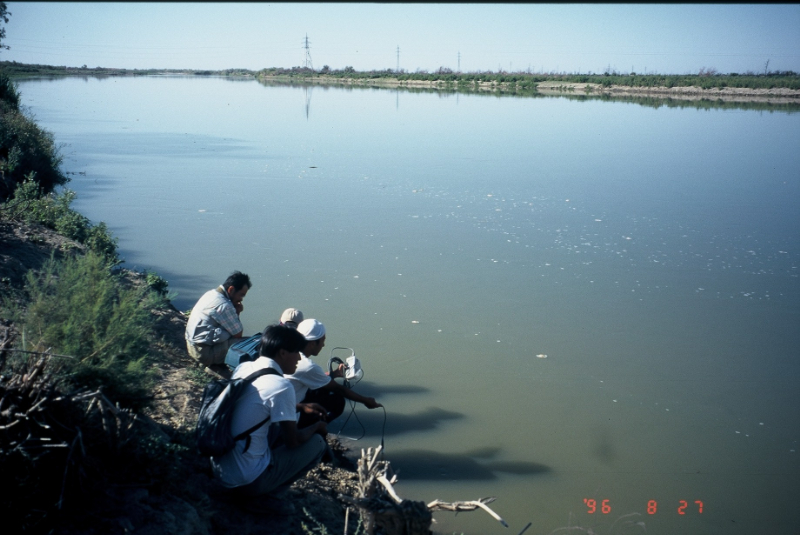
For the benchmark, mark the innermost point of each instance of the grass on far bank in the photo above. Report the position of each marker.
(705, 78)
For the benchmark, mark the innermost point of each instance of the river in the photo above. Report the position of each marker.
(585, 308)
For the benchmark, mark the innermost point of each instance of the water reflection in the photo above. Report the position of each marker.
(454, 90)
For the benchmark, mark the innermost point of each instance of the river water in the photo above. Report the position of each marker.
(587, 309)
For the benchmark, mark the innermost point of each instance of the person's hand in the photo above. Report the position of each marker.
(239, 307)
(339, 372)
(314, 409)
(370, 403)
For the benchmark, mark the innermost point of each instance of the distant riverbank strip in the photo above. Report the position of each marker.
(770, 94)
(768, 88)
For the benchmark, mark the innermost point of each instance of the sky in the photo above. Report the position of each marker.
(568, 38)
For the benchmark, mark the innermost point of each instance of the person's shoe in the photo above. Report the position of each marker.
(268, 505)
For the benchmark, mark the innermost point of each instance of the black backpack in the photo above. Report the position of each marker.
(213, 431)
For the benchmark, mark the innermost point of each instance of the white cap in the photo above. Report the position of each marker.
(291, 315)
(311, 329)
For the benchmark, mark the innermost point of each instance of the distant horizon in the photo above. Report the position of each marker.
(404, 72)
(538, 38)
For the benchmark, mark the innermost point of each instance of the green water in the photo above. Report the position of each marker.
(650, 254)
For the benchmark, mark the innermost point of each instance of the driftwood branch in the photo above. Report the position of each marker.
(468, 506)
(382, 508)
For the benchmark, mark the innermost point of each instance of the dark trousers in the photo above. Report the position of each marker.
(333, 402)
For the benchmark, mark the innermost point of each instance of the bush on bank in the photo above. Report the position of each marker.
(80, 306)
(31, 204)
(75, 359)
(26, 150)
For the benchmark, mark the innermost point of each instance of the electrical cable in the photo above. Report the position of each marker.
(352, 403)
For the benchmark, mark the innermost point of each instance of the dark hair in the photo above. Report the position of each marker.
(237, 279)
(276, 337)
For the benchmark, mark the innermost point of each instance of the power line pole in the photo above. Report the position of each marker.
(398, 59)
(459, 61)
(307, 63)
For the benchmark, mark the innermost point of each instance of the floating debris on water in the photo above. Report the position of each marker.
(541, 356)
(414, 321)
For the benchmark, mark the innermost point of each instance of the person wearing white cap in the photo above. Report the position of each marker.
(316, 390)
(291, 317)
(260, 470)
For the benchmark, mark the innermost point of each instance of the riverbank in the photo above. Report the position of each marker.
(197, 507)
(767, 88)
(777, 95)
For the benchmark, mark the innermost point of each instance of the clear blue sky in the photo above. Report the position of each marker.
(666, 38)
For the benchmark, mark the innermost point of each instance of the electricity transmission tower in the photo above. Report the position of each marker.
(307, 63)
(398, 59)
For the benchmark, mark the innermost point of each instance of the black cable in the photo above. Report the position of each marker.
(353, 413)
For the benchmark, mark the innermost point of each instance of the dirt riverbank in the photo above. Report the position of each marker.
(201, 509)
(687, 93)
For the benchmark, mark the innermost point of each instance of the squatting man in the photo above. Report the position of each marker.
(319, 396)
(257, 469)
(214, 323)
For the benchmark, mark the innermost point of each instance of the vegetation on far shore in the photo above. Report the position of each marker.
(705, 78)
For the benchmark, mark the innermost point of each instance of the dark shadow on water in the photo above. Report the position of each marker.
(427, 465)
(377, 390)
(371, 422)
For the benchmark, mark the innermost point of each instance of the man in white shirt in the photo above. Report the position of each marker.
(314, 386)
(253, 468)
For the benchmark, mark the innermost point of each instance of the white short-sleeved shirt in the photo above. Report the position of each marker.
(308, 376)
(270, 395)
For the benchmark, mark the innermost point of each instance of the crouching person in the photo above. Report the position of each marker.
(254, 469)
(318, 395)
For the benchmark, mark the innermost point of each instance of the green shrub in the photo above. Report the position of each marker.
(25, 149)
(156, 283)
(79, 308)
(8, 91)
(54, 211)
(100, 241)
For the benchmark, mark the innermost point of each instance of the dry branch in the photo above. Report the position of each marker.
(381, 507)
(53, 444)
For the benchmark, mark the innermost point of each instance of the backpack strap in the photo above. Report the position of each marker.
(249, 379)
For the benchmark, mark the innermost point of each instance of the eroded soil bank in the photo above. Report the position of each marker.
(688, 93)
(200, 508)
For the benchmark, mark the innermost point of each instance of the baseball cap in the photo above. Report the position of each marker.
(311, 329)
(291, 315)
